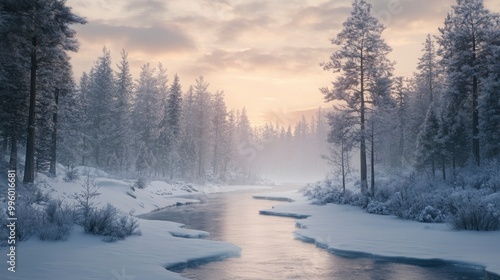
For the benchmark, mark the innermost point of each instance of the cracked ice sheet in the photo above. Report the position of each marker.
(348, 230)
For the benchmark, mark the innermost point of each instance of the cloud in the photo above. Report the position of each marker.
(402, 14)
(142, 11)
(158, 39)
(286, 60)
(326, 16)
(233, 29)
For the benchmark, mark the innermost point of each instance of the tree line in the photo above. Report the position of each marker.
(150, 126)
(443, 118)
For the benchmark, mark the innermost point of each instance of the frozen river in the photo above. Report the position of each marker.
(270, 251)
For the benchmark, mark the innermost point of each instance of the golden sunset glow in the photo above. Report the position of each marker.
(265, 55)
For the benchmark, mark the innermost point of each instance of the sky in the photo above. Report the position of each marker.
(264, 55)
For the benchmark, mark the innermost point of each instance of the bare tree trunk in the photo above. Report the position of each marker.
(343, 159)
(475, 111)
(362, 154)
(372, 160)
(13, 152)
(443, 166)
(53, 148)
(29, 166)
(4, 144)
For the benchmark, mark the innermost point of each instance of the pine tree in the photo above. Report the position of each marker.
(147, 111)
(202, 115)
(187, 146)
(14, 96)
(401, 98)
(428, 147)
(362, 55)
(101, 111)
(489, 101)
(340, 136)
(220, 129)
(464, 49)
(30, 26)
(429, 69)
(170, 127)
(64, 87)
(122, 132)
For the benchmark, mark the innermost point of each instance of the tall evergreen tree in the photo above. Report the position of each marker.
(489, 101)
(14, 96)
(464, 50)
(428, 147)
(429, 69)
(122, 131)
(340, 136)
(170, 127)
(220, 128)
(101, 111)
(361, 56)
(202, 115)
(146, 112)
(37, 36)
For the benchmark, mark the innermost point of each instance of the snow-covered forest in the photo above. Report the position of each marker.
(424, 147)
(149, 125)
(429, 144)
(440, 123)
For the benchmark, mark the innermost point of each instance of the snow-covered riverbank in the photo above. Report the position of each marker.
(84, 256)
(348, 231)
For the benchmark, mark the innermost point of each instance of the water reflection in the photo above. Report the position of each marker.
(269, 250)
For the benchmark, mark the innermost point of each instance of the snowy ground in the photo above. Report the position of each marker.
(83, 256)
(348, 231)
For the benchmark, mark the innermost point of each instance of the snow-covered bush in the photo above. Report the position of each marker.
(129, 225)
(325, 191)
(28, 220)
(485, 177)
(4, 230)
(57, 221)
(470, 211)
(85, 200)
(40, 197)
(431, 215)
(383, 193)
(358, 199)
(111, 224)
(377, 207)
(71, 175)
(415, 194)
(141, 183)
(107, 221)
(102, 221)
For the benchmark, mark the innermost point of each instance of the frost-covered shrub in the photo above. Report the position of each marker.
(40, 197)
(431, 215)
(57, 222)
(377, 207)
(415, 194)
(129, 225)
(4, 231)
(470, 211)
(102, 221)
(141, 183)
(360, 200)
(485, 177)
(109, 222)
(325, 191)
(85, 203)
(383, 193)
(71, 175)
(28, 220)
